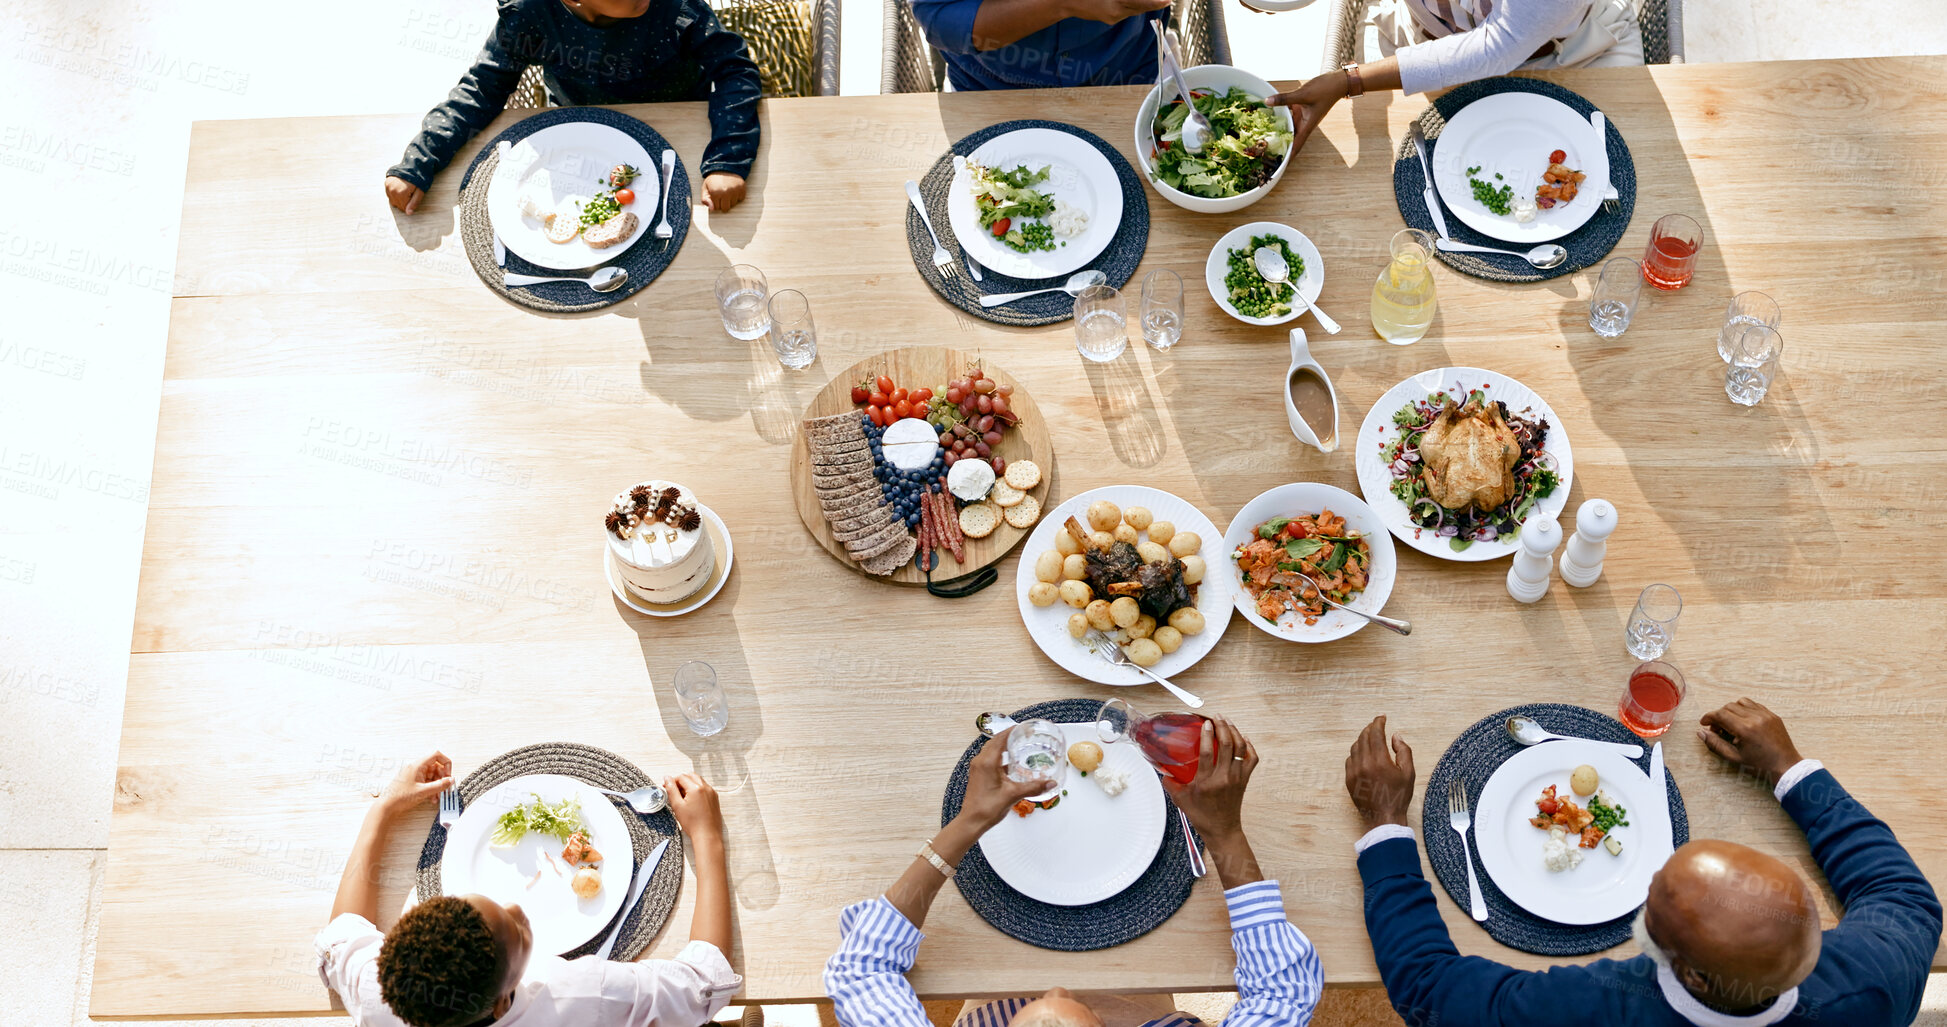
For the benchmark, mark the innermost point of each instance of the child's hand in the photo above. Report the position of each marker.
(694, 803)
(406, 196)
(722, 190)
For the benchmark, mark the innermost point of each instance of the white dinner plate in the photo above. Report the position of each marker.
(1217, 267)
(1090, 846)
(576, 157)
(1604, 887)
(1378, 430)
(1078, 174)
(1512, 134)
(1310, 498)
(562, 920)
(1048, 625)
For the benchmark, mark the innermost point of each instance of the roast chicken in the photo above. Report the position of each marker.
(1469, 454)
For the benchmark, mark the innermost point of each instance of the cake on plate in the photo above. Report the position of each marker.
(661, 547)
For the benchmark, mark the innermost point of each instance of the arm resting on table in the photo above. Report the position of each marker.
(478, 98)
(866, 977)
(1504, 41)
(727, 67)
(1278, 974)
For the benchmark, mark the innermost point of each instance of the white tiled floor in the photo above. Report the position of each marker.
(94, 128)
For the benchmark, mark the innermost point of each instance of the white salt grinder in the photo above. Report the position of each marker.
(1528, 578)
(1582, 560)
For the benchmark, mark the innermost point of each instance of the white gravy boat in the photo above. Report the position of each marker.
(1301, 359)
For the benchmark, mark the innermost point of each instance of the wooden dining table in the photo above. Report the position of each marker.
(375, 525)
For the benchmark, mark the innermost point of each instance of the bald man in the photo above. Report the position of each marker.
(1278, 977)
(1730, 936)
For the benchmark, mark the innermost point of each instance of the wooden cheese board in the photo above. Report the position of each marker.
(930, 367)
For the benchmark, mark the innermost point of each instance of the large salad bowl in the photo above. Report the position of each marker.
(1222, 78)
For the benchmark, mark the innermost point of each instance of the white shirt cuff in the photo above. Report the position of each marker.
(1382, 833)
(1799, 772)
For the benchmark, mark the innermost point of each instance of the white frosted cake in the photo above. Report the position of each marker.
(661, 547)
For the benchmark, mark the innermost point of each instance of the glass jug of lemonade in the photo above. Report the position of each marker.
(1402, 300)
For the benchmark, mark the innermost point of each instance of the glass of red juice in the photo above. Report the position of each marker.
(1649, 704)
(1171, 742)
(1672, 255)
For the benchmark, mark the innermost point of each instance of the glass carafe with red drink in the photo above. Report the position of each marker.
(1170, 742)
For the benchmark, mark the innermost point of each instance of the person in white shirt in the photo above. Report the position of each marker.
(458, 961)
(1278, 975)
(1430, 45)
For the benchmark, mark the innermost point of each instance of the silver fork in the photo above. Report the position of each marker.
(941, 258)
(665, 230)
(1611, 199)
(1460, 820)
(449, 807)
(1102, 645)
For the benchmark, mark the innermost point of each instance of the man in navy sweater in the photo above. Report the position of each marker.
(1729, 935)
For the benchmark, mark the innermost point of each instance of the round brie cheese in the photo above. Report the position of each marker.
(969, 479)
(909, 443)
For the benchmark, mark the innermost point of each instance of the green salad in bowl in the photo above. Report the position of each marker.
(1247, 145)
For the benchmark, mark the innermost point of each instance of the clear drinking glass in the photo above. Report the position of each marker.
(1653, 624)
(1754, 363)
(1671, 257)
(1614, 300)
(1101, 328)
(1403, 302)
(1036, 751)
(741, 295)
(1747, 308)
(792, 334)
(1162, 308)
(1649, 703)
(701, 699)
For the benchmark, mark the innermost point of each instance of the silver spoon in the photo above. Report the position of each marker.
(1545, 256)
(1076, 283)
(1527, 732)
(1104, 646)
(1271, 267)
(1389, 623)
(647, 799)
(1196, 127)
(607, 279)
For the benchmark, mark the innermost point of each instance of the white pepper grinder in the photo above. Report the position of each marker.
(1582, 559)
(1528, 578)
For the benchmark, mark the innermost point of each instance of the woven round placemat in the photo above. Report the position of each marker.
(603, 769)
(954, 285)
(1134, 912)
(644, 259)
(1586, 245)
(1475, 755)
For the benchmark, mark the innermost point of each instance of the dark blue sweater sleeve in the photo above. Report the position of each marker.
(1885, 942)
(1430, 983)
(478, 98)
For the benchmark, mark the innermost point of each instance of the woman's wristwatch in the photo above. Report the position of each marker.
(1354, 85)
(946, 869)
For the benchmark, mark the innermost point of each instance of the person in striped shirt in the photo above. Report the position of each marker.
(1278, 977)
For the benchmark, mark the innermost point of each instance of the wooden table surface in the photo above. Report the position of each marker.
(374, 529)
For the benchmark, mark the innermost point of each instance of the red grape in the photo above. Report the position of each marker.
(1000, 404)
(1000, 466)
(950, 458)
(954, 395)
(984, 386)
(992, 438)
(981, 449)
(984, 404)
(986, 423)
(1005, 390)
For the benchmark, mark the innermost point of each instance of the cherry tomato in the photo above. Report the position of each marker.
(625, 196)
(1557, 157)
(878, 398)
(1296, 529)
(860, 394)
(1000, 227)
(885, 383)
(902, 409)
(897, 395)
(921, 395)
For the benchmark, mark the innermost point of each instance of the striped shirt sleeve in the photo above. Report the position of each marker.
(1278, 976)
(866, 977)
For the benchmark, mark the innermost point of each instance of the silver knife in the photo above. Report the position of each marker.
(1426, 169)
(642, 877)
(1602, 139)
(1657, 785)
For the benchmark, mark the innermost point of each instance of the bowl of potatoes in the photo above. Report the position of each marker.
(1058, 606)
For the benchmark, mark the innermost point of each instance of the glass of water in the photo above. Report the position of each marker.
(1162, 308)
(1101, 328)
(701, 699)
(1754, 363)
(1036, 751)
(1653, 623)
(741, 295)
(1747, 308)
(1614, 301)
(792, 334)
